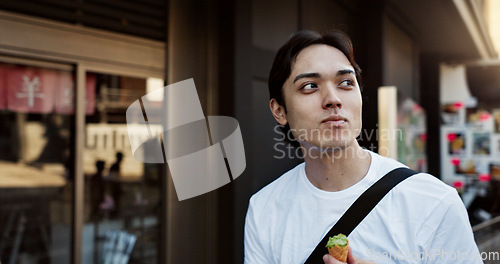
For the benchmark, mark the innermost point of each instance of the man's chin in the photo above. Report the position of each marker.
(326, 146)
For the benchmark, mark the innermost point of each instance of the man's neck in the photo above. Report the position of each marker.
(338, 169)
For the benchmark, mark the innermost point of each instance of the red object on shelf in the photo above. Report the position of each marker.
(484, 177)
(458, 105)
(451, 137)
(455, 161)
(458, 184)
(484, 116)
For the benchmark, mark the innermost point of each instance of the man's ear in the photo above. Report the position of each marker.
(278, 112)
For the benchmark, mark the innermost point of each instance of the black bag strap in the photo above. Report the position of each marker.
(360, 209)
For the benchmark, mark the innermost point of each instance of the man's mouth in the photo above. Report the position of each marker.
(335, 121)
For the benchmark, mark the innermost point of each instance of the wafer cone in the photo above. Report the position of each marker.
(339, 253)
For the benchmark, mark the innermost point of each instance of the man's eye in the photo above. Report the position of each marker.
(347, 84)
(309, 86)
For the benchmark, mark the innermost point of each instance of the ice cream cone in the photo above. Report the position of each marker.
(339, 252)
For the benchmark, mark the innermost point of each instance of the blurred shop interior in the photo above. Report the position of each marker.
(71, 190)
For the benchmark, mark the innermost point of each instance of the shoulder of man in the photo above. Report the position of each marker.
(276, 186)
(422, 185)
(425, 194)
(425, 183)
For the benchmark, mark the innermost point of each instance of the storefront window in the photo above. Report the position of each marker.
(122, 197)
(37, 161)
(36, 181)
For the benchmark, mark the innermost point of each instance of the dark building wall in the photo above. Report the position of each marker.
(429, 92)
(400, 60)
(201, 46)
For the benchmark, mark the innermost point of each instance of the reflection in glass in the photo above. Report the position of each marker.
(35, 179)
(122, 197)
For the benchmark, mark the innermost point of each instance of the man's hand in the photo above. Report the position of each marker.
(351, 259)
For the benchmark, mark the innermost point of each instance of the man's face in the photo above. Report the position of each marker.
(323, 99)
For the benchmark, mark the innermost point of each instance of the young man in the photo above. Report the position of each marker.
(315, 94)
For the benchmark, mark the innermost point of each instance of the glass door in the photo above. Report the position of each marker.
(122, 195)
(36, 178)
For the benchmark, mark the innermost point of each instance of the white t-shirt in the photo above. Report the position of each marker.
(421, 220)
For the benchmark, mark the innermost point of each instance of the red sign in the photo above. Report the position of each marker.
(65, 94)
(90, 94)
(3, 88)
(37, 90)
(31, 90)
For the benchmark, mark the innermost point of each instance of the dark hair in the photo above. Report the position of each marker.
(282, 65)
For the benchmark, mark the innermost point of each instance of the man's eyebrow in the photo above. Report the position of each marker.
(343, 72)
(317, 75)
(307, 75)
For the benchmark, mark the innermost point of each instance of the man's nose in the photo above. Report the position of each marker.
(331, 98)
